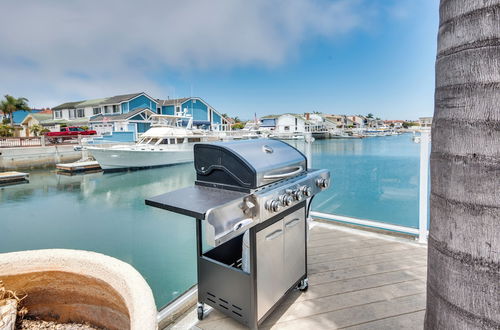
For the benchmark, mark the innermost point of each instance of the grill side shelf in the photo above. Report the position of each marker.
(193, 201)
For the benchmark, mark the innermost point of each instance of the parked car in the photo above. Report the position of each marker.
(67, 133)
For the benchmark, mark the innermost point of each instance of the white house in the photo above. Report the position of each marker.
(358, 121)
(286, 123)
(425, 122)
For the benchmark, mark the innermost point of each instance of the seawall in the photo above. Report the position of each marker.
(35, 157)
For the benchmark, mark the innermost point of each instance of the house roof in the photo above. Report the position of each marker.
(174, 101)
(123, 116)
(120, 98)
(93, 102)
(283, 114)
(67, 105)
(39, 116)
(106, 100)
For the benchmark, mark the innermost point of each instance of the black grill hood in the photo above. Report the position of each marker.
(246, 164)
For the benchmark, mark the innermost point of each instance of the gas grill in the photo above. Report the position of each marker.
(251, 200)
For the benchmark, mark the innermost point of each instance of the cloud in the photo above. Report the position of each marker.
(56, 50)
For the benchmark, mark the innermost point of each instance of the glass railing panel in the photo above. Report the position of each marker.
(373, 178)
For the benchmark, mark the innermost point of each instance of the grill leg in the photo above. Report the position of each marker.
(200, 310)
(303, 285)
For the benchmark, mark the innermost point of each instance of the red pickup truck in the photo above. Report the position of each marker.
(68, 133)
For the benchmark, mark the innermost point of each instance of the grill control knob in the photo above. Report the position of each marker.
(276, 206)
(307, 191)
(323, 183)
(286, 200)
(273, 205)
(297, 194)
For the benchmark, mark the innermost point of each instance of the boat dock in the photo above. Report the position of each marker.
(78, 167)
(357, 280)
(8, 178)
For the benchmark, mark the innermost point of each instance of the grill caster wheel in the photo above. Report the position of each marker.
(303, 285)
(200, 311)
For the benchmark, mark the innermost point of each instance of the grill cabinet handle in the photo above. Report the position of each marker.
(292, 223)
(283, 175)
(274, 235)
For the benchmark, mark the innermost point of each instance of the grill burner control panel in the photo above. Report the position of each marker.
(277, 197)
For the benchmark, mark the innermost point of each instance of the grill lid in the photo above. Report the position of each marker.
(246, 164)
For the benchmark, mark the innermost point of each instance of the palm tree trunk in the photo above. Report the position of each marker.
(463, 288)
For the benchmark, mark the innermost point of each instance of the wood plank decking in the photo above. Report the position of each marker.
(357, 280)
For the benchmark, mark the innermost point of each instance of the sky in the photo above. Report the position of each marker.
(242, 57)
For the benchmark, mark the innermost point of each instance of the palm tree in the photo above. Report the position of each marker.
(12, 104)
(463, 284)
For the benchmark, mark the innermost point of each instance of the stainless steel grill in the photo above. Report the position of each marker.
(259, 187)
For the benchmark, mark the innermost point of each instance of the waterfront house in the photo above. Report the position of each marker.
(425, 122)
(286, 123)
(132, 112)
(358, 121)
(373, 123)
(337, 121)
(114, 105)
(17, 118)
(35, 118)
(397, 124)
(137, 121)
(204, 115)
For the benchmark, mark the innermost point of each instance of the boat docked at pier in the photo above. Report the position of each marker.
(169, 141)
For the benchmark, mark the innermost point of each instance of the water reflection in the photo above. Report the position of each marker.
(106, 213)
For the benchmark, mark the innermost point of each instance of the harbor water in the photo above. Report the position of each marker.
(372, 178)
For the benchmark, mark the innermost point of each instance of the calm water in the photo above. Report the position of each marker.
(374, 178)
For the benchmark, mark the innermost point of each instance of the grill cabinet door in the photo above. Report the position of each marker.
(295, 253)
(270, 286)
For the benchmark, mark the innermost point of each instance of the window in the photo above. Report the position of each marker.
(96, 111)
(80, 113)
(71, 113)
(57, 114)
(107, 109)
(116, 109)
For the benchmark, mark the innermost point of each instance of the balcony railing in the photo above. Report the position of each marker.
(396, 188)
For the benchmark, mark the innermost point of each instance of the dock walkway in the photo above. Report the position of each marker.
(357, 280)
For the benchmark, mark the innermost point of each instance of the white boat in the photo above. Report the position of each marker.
(169, 141)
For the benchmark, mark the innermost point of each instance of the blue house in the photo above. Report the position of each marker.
(204, 115)
(132, 112)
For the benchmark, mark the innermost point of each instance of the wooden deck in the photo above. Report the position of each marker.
(357, 280)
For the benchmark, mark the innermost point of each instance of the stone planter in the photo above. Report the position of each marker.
(80, 286)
